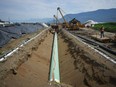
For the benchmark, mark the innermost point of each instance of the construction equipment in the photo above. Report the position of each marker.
(58, 24)
(65, 24)
(72, 25)
(57, 21)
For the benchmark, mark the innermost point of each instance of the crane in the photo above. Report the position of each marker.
(57, 25)
(56, 19)
(58, 22)
(74, 24)
(66, 24)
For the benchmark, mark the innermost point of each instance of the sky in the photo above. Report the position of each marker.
(28, 9)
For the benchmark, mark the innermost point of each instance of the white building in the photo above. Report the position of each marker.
(90, 23)
(3, 23)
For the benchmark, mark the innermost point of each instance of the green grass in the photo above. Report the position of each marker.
(109, 27)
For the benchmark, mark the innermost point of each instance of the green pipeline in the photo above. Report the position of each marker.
(54, 68)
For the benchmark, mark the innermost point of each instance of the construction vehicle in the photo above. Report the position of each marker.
(57, 21)
(65, 24)
(72, 25)
(55, 26)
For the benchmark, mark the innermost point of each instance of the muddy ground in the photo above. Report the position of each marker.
(79, 66)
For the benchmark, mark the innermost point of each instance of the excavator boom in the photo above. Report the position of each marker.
(67, 25)
(56, 19)
(61, 14)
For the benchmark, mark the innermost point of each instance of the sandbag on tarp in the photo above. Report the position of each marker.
(4, 38)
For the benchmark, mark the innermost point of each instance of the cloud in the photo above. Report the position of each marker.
(27, 9)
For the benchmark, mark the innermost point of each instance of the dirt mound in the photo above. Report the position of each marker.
(29, 67)
(81, 68)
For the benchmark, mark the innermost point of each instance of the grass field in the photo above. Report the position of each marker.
(110, 27)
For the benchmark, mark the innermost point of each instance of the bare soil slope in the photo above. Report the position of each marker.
(13, 43)
(34, 72)
(82, 68)
(69, 74)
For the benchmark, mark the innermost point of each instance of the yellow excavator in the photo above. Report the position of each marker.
(65, 24)
(72, 25)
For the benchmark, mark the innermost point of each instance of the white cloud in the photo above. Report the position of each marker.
(25, 9)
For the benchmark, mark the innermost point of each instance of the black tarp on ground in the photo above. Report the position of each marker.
(12, 31)
(16, 31)
(4, 38)
(29, 28)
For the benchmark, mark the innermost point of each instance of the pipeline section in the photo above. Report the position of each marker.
(54, 66)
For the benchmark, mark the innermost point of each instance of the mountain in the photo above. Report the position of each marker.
(45, 20)
(101, 15)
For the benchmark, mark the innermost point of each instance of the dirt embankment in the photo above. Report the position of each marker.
(29, 67)
(80, 67)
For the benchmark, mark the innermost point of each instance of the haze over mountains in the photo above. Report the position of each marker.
(101, 15)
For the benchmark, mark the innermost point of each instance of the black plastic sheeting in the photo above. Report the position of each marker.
(4, 38)
(16, 31)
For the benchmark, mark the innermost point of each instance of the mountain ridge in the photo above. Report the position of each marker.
(100, 15)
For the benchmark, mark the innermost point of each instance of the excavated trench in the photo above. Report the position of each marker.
(79, 67)
(29, 67)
